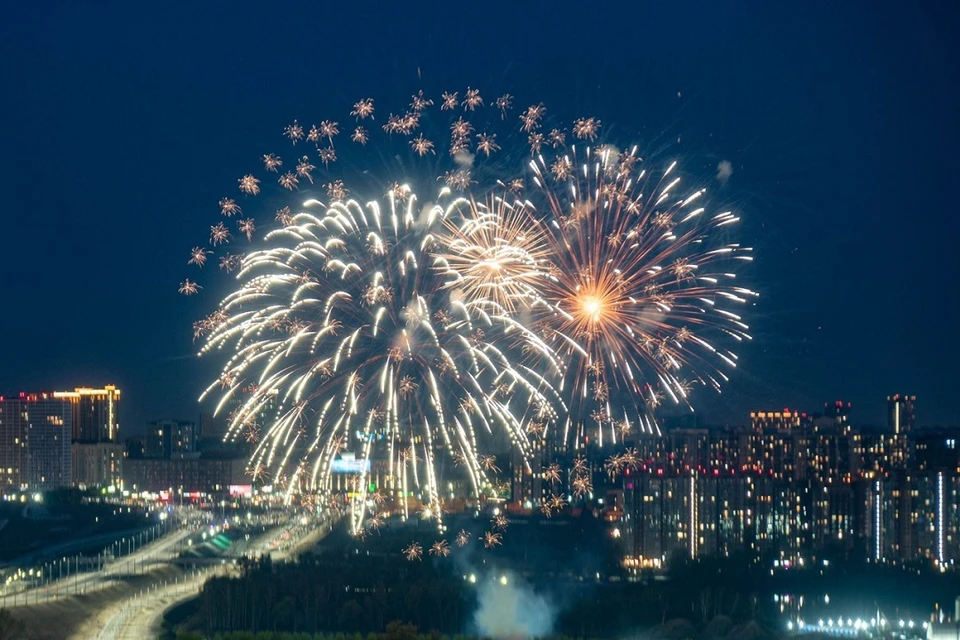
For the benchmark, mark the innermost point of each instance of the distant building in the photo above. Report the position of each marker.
(527, 485)
(96, 465)
(838, 412)
(937, 450)
(166, 438)
(186, 473)
(95, 413)
(690, 445)
(901, 415)
(34, 442)
(790, 488)
(777, 420)
(95, 433)
(135, 447)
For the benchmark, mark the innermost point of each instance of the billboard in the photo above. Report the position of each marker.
(241, 490)
(349, 464)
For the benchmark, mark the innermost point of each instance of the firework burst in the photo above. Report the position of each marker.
(630, 282)
(413, 552)
(336, 321)
(638, 288)
(511, 274)
(440, 548)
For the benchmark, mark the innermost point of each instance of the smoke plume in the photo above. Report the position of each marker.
(508, 608)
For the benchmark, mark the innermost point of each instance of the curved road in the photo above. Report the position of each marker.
(161, 550)
(139, 618)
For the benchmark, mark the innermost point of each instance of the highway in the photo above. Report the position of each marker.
(141, 616)
(162, 550)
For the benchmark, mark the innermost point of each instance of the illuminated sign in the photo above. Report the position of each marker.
(349, 464)
(241, 490)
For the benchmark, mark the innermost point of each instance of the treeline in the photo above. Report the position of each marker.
(358, 595)
(394, 631)
(354, 594)
(356, 591)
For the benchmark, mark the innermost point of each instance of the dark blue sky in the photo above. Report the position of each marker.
(121, 124)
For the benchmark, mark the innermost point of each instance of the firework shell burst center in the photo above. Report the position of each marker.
(407, 313)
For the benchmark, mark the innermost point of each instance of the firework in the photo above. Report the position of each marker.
(413, 552)
(440, 548)
(189, 288)
(526, 281)
(489, 463)
(345, 324)
(627, 283)
(495, 253)
(491, 539)
(198, 256)
(552, 473)
(375, 522)
(463, 538)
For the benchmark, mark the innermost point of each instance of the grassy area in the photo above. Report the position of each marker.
(78, 616)
(61, 517)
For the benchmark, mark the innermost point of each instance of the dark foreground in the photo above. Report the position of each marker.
(555, 580)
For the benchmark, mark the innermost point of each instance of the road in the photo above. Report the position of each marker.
(142, 617)
(162, 550)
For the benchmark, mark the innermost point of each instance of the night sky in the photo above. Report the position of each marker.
(123, 124)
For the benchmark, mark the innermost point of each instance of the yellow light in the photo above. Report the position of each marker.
(592, 307)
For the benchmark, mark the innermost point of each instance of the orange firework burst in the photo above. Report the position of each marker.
(450, 271)
(634, 293)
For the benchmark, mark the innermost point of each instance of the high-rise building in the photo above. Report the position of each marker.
(836, 452)
(838, 412)
(34, 442)
(901, 415)
(527, 488)
(659, 517)
(900, 424)
(937, 450)
(777, 420)
(690, 447)
(166, 438)
(95, 413)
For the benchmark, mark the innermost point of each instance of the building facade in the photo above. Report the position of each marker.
(95, 413)
(97, 464)
(186, 473)
(35, 434)
(789, 489)
(166, 438)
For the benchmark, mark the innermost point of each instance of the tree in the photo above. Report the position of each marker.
(350, 613)
(11, 628)
(397, 630)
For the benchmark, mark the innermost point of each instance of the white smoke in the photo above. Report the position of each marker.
(724, 171)
(508, 609)
(464, 159)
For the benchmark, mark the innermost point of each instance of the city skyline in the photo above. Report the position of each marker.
(887, 421)
(508, 320)
(826, 260)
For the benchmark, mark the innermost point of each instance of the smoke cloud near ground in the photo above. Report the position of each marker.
(509, 608)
